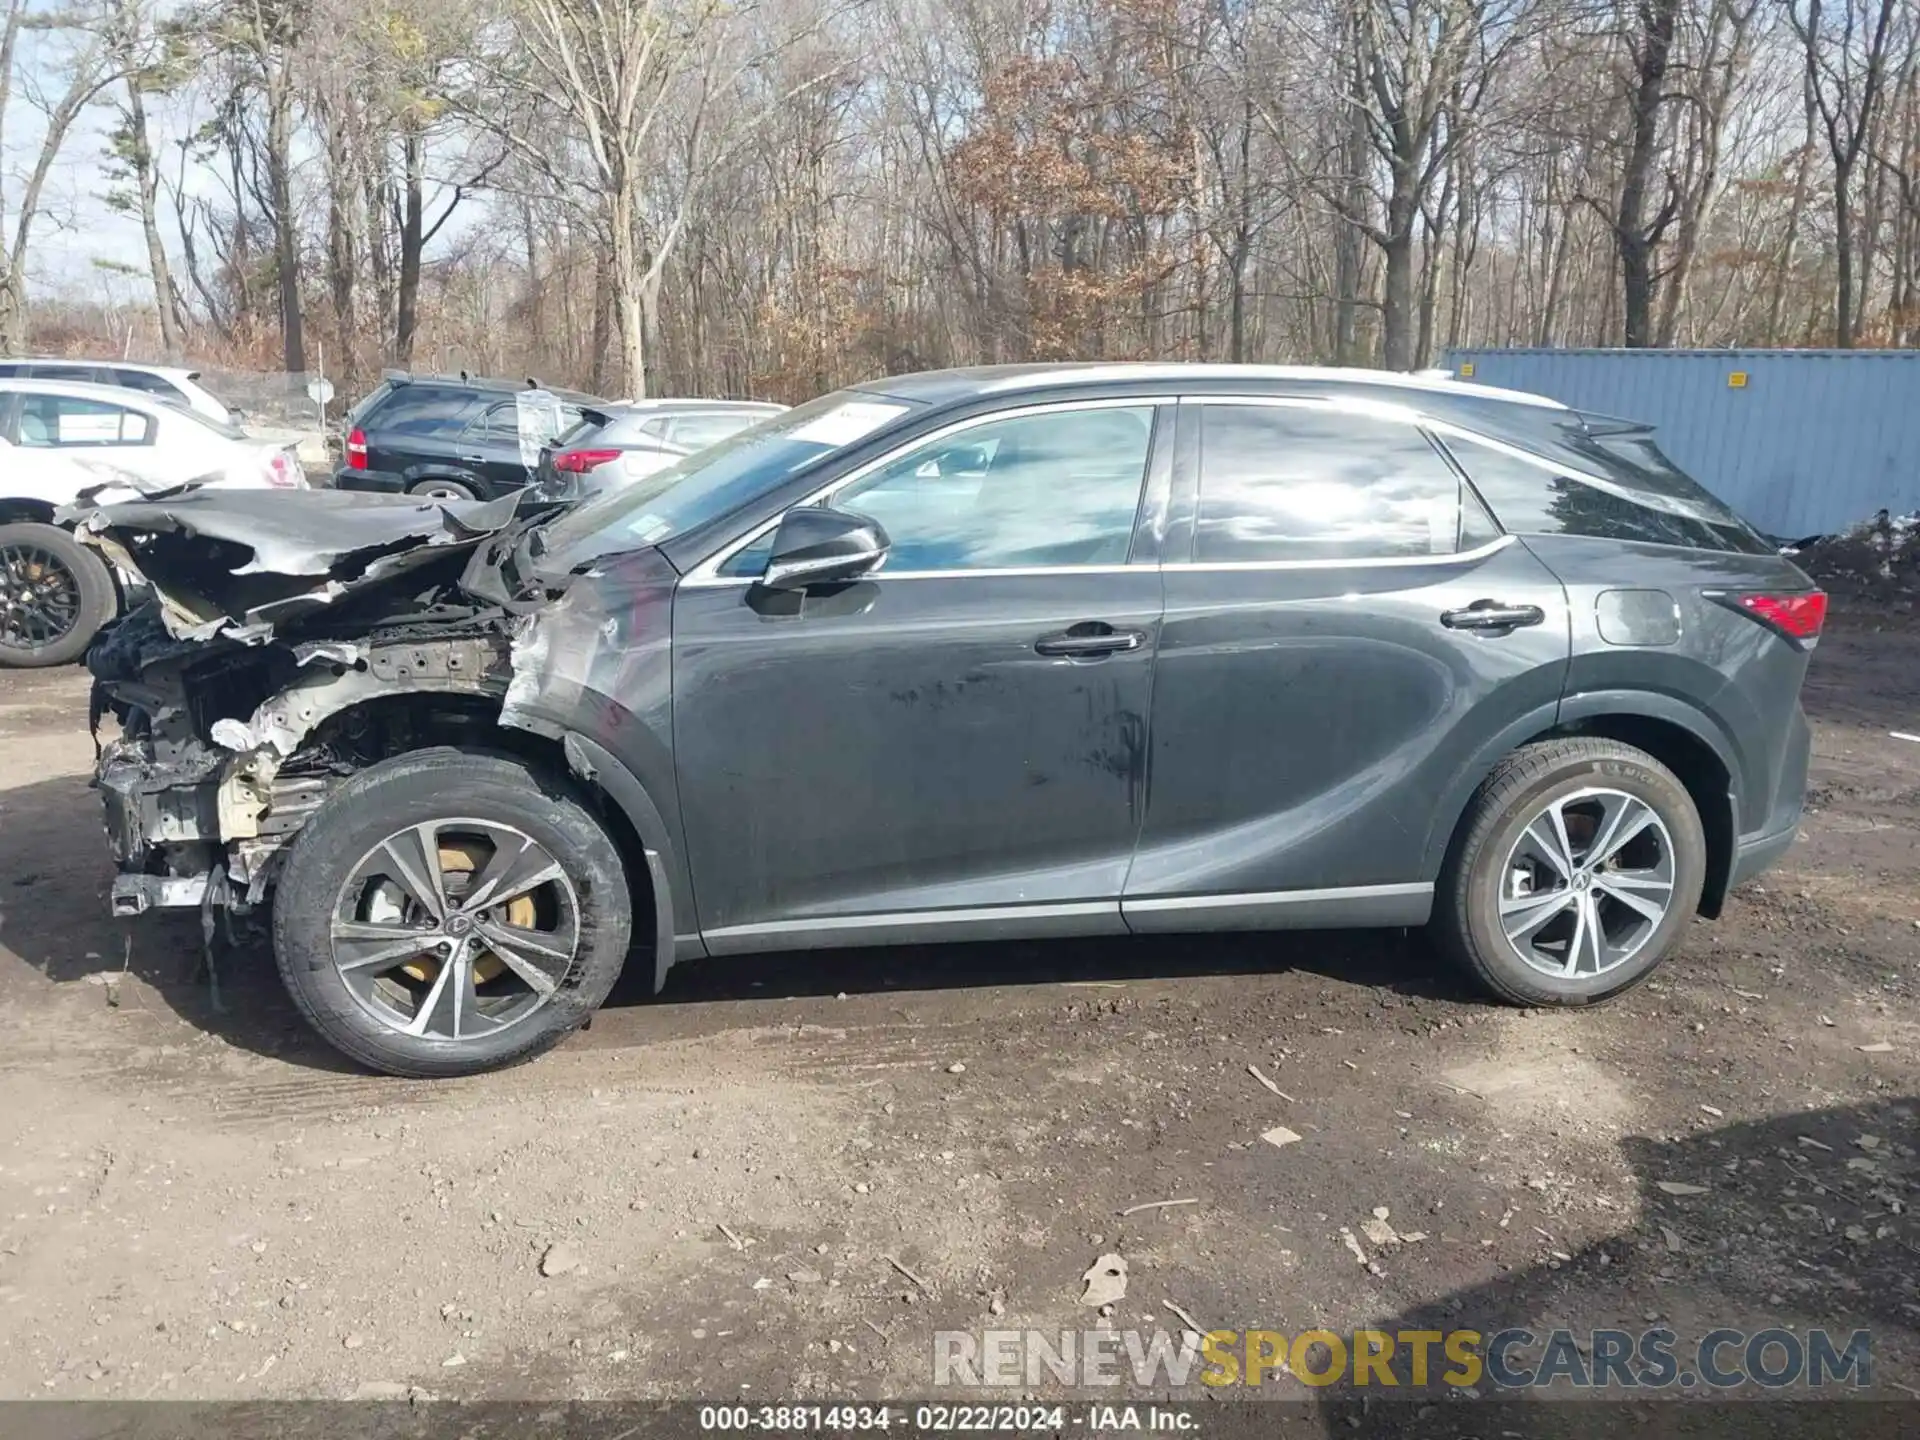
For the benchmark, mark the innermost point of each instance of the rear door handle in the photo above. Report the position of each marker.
(1492, 615)
(1090, 638)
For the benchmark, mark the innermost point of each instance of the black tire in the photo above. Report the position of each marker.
(1466, 921)
(91, 589)
(445, 488)
(440, 785)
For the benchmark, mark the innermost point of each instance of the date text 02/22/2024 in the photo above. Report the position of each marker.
(948, 1419)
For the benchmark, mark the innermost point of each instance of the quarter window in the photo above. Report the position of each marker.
(1291, 483)
(1059, 488)
(63, 421)
(149, 383)
(1644, 497)
(696, 432)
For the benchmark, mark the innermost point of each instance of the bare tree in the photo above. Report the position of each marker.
(1846, 48)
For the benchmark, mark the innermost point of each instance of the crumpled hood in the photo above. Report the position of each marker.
(236, 562)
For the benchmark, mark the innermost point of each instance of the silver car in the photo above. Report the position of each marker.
(614, 445)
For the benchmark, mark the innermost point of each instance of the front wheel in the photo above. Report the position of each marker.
(446, 913)
(1578, 864)
(55, 594)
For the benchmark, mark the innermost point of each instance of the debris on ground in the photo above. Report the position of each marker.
(1157, 1205)
(924, 1287)
(1377, 1230)
(558, 1260)
(1258, 1074)
(1105, 1282)
(1279, 1135)
(1679, 1187)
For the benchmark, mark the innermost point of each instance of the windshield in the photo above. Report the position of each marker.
(707, 485)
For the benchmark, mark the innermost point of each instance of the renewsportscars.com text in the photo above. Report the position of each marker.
(1509, 1359)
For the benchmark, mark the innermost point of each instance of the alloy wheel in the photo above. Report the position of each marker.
(455, 929)
(39, 598)
(1587, 883)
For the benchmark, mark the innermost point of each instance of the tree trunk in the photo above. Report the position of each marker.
(1397, 302)
(1635, 237)
(343, 243)
(627, 275)
(1349, 239)
(286, 238)
(412, 242)
(1843, 257)
(166, 295)
(602, 319)
(13, 313)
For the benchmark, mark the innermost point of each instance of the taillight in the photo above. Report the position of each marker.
(579, 462)
(357, 449)
(1798, 617)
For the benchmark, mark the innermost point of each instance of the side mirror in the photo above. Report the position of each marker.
(818, 546)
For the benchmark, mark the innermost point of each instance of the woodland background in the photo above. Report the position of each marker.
(775, 197)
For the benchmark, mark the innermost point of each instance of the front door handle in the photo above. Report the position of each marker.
(1492, 615)
(1088, 639)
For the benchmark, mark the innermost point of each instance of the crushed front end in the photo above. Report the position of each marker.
(269, 668)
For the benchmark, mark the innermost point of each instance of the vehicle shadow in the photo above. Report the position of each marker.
(54, 879)
(1797, 1223)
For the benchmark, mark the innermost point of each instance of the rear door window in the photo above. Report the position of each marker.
(424, 410)
(1636, 494)
(1291, 483)
(67, 422)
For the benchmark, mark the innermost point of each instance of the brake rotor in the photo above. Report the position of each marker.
(457, 859)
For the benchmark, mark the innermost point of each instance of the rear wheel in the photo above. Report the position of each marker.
(1579, 864)
(55, 594)
(443, 490)
(446, 913)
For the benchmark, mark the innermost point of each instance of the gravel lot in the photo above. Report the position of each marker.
(779, 1178)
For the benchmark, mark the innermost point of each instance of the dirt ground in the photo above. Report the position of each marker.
(778, 1179)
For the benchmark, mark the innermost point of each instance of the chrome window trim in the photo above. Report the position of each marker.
(1452, 557)
(705, 575)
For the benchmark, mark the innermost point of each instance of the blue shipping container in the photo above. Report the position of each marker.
(1800, 442)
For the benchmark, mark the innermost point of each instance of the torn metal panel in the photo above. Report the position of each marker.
(262, 743)
(300, 532)
(236, 563)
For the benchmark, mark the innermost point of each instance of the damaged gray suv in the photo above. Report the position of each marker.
(966, 655)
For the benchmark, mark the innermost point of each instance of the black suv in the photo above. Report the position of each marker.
(973, 655)
(454, 437)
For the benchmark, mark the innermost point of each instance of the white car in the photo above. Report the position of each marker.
(156, 440)
(165, 382)
(58, 440)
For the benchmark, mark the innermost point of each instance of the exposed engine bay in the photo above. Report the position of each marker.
(294, 639)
